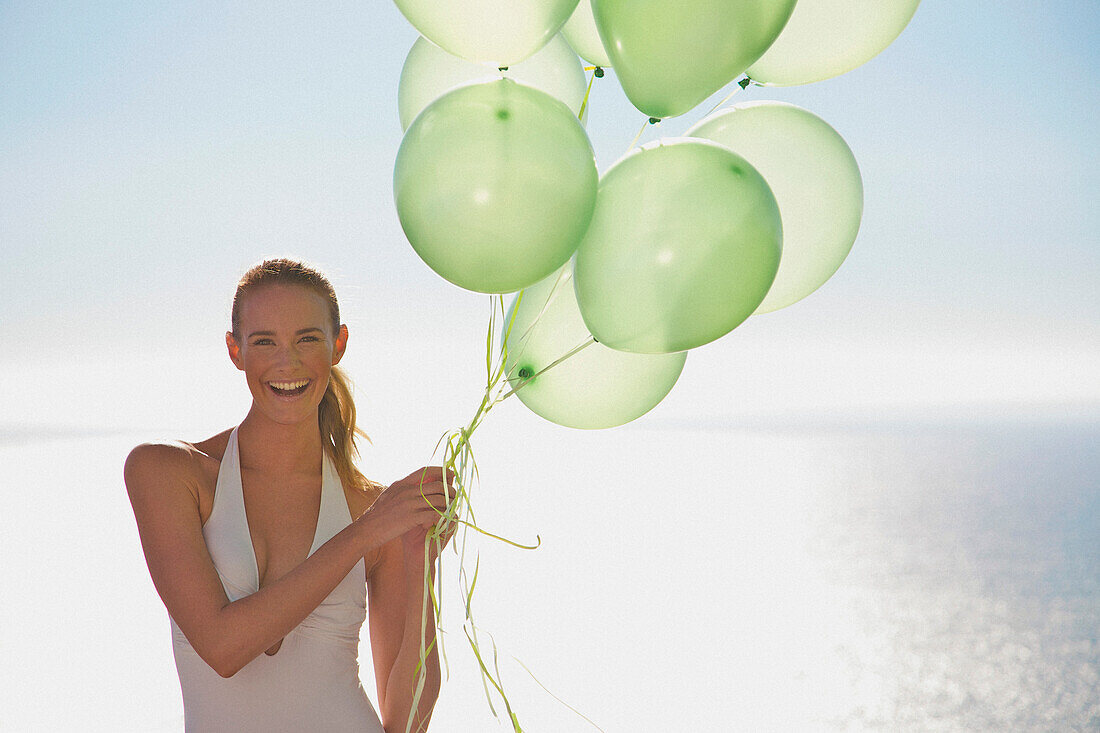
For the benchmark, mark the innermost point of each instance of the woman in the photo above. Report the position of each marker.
(264, 541)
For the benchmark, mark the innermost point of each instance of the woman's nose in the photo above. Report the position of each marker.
(289, 356)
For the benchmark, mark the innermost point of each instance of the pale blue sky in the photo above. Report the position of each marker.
(149, 152)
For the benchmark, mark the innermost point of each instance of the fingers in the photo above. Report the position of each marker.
(434, 493)
(423, 497)
(429, 475)
(430, 481)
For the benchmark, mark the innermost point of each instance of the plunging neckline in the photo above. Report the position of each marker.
(244, 510)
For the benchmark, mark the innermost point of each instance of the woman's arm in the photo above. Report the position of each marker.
(160, 480)
(397, 597)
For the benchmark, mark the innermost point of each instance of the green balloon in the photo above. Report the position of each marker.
(826, 38)
(495, 184)
(429, 71)
(580, 31)
(682, 248)
(596, 387)
(670, 56)
(816, 182)
(500, 32)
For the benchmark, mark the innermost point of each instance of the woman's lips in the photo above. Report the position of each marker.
(289, 388)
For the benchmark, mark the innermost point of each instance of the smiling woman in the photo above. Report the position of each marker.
(265, 540)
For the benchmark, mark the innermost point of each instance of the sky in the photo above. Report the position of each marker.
(151, 152)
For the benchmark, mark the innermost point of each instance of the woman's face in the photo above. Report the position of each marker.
(286, 350)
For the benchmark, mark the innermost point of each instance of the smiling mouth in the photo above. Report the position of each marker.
(290, 388)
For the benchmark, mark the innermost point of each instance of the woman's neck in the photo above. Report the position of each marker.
(279, 447)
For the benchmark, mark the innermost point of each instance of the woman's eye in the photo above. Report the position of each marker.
(262, 342)
(310, 338)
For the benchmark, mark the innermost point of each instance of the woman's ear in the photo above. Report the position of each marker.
(340, 345)
(234, 350)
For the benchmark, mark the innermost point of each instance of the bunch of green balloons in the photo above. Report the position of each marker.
(618, 275)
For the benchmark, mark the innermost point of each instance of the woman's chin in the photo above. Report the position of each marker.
(287, 409)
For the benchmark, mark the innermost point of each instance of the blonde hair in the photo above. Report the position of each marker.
(336, 414)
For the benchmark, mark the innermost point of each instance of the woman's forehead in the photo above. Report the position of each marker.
(291, 306)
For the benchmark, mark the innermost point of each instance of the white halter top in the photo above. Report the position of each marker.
(312, 682)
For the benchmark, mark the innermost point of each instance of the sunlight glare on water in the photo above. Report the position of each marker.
(875, 577)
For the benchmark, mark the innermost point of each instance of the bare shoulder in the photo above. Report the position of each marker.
(360, 499)
(154, 466)
(159, 459)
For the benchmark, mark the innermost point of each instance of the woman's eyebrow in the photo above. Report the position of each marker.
(299, 332)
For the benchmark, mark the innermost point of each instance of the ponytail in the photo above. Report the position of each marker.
(336, 418)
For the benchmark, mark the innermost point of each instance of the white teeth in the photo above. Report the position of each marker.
(289, 385)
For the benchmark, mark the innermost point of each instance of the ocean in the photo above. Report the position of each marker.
(833, 576)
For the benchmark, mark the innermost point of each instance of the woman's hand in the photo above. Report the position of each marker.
(413, 544)
(401, 509)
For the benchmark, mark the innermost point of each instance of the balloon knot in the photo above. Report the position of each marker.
(744, 82)
(654, 120)
(598, 72)
(525, 373)
(502, 68)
